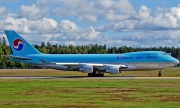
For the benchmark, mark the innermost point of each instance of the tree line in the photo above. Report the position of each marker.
(48, 48)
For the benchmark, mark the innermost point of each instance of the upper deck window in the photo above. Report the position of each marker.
(169, 54)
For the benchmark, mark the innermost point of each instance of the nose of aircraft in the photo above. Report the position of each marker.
(176, 61)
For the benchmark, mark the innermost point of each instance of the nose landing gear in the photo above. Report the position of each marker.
(159, 74)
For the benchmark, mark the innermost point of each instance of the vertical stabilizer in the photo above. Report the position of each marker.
(18, 45)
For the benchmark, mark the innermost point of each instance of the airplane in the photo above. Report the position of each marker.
(95, 65)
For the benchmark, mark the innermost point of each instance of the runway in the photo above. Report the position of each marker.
(85, 77)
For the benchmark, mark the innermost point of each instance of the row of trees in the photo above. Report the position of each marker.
(83, 49)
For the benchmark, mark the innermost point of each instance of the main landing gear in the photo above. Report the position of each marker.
(94, 74)
(159, 74)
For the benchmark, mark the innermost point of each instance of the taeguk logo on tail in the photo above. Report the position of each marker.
(18, 44)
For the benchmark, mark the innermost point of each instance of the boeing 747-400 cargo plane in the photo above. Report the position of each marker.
(93, 64)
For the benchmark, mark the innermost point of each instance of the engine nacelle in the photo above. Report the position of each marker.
(113, 70)
(88, 69)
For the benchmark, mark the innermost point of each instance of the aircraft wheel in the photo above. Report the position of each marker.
(92, 75)
(95, 75)
(89, 74)
(101, 75)
(159, 74)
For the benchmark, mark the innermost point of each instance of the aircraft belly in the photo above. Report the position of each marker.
(150, 66)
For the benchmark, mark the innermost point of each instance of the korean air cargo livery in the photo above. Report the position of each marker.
(93, 64)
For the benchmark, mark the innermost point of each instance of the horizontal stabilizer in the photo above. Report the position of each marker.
(17, 57)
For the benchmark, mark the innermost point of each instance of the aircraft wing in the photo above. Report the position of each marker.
(87, 65)
(17, 57)
(77, 64)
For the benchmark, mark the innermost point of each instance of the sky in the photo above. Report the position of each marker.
(133, 23)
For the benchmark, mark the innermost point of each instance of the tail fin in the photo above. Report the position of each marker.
(18, 45)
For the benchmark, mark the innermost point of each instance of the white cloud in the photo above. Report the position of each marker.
(24, 25)
(163, 19)
(47, 29)
(168, 19)
(29, 11)
(43, 2)
(144, 13)
(88, 18)
(105, 3)
(84, 22)
(116, 17)
(92, 11)
(125, 25)
(4, 12)
(32, 12)
(67, 26)
(122, 6)
(91, 34)
(15, 24)
(44, 25)
(2, 9)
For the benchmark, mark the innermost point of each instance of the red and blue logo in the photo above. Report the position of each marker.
(18, 44)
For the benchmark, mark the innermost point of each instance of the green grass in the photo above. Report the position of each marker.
(92, 93)
(89, 93)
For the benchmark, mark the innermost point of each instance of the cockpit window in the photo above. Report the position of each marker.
(167, 54)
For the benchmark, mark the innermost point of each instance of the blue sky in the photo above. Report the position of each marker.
(153, 4)
(136, 23)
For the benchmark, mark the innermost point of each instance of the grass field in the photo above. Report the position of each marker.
(80, 93)
(88, 93)
(170, 72)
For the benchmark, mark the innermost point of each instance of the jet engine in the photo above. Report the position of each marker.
(87, 68)
(113, 70)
